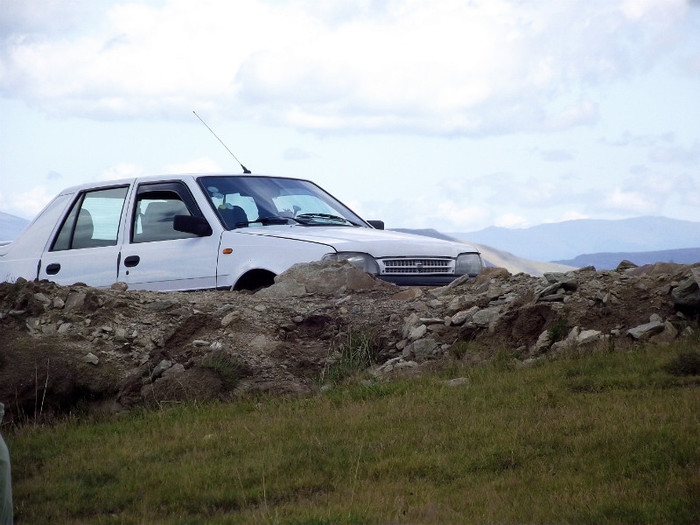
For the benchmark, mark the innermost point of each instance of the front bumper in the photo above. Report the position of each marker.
(419, 280)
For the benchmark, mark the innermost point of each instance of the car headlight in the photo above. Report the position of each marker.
(363, 261)
(468, 264)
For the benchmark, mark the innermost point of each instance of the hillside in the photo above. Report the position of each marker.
(499, 258)
(75, 347)
(608, 261)
(11, 226)
(566, 240)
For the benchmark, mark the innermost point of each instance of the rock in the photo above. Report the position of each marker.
(119, 286)
(75, 301)
(91, 359)
(409, 324)
(160, 368)
(646, 330)
(58, 303)
(331, 277)
(421, 349)
(589, 336)
(417, 332)
(458, 381)
(174, 370)
(284, 288)
(625, 265)
(45, 301)
(687, 293)
(564, 280)
(408, 294)
(460, 317)
(160, 306)
(486, 317)
(229, 318)
(544, 341)
(669, 333)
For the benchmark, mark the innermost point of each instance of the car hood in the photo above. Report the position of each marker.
(378, 243)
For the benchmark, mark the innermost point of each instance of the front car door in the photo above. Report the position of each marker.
(158, 257)
(86, 246)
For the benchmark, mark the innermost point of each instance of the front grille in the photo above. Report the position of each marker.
(417, 266)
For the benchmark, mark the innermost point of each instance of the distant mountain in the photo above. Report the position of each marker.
(609, 261)
(11, 226)
(566, 240)
(502, 259)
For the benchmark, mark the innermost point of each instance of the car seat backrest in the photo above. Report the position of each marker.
(84, 228)
(157, 220)
(234, 217)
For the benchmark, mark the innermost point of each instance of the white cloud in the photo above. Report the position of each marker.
(26, 204)
(572, 216)
(456, 215)
(634, 202)
(124, 170)
(511, 220)
(201, 165)
(449, 67)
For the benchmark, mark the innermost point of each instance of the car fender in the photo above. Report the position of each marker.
(241, 251)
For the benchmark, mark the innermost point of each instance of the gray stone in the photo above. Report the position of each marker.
(542, 344)
(687, 293)
(420, 349)
(460, 317)
(589, 336)
(160, 368)
(625, 265)
(91, 359)
(58, 303)
(417, 332)
(229, 318)
(646, 330)
(75, 300)
(486, 316)
(45, 301)
(177, 368)
(458, 381)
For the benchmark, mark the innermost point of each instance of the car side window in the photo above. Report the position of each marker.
(155, 210)
(93, 220)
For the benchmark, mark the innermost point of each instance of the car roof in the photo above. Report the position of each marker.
(167, 177)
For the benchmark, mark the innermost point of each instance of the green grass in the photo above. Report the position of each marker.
(602, 438)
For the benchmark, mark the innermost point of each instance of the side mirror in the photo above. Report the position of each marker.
(377, 225)
(190, 224)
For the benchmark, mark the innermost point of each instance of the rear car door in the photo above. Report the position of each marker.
(86, 246)
(158, 257)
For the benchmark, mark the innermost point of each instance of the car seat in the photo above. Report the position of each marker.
(234, 217)
(84, 228)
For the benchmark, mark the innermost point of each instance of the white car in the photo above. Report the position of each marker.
(188, 232)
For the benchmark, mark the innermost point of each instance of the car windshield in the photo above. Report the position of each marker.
(259, 201)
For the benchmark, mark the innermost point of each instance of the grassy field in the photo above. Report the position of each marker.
(601, 438)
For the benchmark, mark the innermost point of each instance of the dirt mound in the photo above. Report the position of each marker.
(75, 348)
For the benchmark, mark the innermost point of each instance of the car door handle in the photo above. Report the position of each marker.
(53, 268)
(131, 261)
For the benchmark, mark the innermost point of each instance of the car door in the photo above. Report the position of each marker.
(86, 246)
(158, 257)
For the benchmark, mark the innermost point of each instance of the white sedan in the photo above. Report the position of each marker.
(188, 232)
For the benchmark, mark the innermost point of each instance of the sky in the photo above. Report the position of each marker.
(451, 114)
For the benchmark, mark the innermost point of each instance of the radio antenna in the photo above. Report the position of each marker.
(245, 170)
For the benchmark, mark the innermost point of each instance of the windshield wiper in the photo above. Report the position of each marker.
(326, 216)
(273, 219)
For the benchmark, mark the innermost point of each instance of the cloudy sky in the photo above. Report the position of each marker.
(451, 114)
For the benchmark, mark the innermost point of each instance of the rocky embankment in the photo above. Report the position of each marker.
(75, 348)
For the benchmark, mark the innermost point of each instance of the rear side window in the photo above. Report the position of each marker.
(93, 220)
